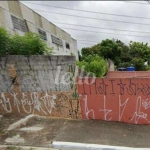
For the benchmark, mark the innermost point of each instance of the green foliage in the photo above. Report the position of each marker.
(124, 65)
(138, 49)
(138, 64)
(94, 50)
(93, 64)
(125, 55)
(140, 53)
(4, 41)
(110, 49)
(121, 54)
(29, 44)
(86, 51)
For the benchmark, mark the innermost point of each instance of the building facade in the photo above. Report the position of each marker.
(18, 18)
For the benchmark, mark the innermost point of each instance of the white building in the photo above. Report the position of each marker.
(18, 18)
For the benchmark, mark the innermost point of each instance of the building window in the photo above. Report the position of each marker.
(67, 45)
(56, 40)
(19, 24)
(42, 34)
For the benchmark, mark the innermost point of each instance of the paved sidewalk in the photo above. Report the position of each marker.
(105, 133)
(42, 132)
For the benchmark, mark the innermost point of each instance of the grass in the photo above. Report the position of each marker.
(13, 148)
(2, 132)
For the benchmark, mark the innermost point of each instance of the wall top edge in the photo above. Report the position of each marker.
(37, 56)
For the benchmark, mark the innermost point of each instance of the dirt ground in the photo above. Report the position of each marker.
(5, 121)
(41, 138)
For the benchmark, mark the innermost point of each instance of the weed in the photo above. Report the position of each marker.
(13, 148)
(2, 132)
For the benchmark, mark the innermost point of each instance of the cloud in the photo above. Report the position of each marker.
(112, 7)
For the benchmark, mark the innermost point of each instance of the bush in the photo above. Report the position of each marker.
(29, 44)
(94, 64)
(4, 41)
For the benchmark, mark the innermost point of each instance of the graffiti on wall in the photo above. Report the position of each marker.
(39, 84)
(45, 104)
(123, 100)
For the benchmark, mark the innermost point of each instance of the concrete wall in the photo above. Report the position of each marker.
(113, 99)
(110, 64)
(35, 84)
(34, 22)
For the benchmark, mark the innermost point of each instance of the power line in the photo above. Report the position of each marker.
(136, 3)
(99, 27)
(85, 43)
(108, 33)
(110, 14)
(93, 18)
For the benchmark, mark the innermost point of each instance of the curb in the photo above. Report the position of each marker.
(60, 144)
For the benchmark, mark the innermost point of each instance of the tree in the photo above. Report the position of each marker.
(125, 52)
(109, 49)
(138, 63)
(94, 50)
(94, 64)
(124, 60)
(86, 51)
(138, 50)
(122, 55)
(140, 53)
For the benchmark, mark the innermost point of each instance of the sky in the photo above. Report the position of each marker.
(90, 22)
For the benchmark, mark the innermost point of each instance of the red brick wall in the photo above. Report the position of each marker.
(123, 100)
